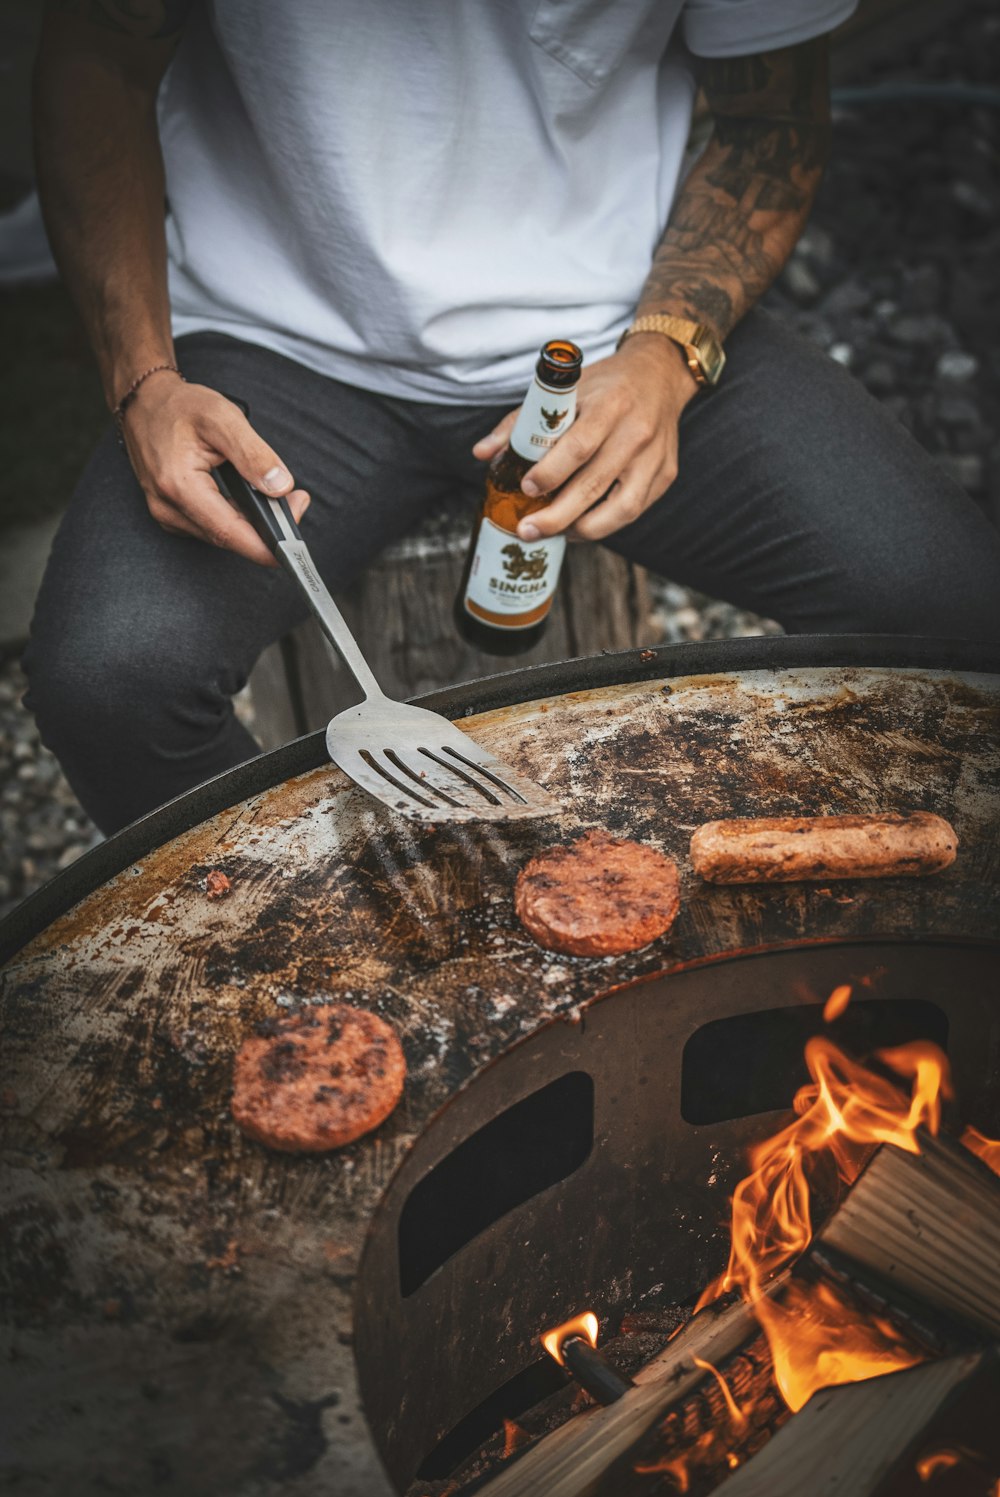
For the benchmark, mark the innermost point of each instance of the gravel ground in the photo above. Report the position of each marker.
(895, 278)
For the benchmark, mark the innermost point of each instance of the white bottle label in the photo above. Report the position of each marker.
(543, 418)
(512, 582)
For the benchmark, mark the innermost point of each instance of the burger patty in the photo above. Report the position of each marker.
(317, 1079)
(597, 896)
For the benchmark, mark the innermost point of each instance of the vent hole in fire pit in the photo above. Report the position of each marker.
(529, 1147)
(510, 1401)
(750, 1063)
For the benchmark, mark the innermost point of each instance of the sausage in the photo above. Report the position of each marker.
(597, 896)
(783, 849)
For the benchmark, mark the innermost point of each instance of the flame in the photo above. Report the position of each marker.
(581, 1325)
(710, 1446)
(988, 1149)
(938, 1460)
(513, 1438)
(845, 1111)
(736, 1414)
(836, 1003)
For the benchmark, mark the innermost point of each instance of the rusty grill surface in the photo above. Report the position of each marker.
(181, 1297)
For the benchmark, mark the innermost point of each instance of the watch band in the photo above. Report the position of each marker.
(702, 351)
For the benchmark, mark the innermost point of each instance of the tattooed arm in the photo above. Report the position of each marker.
(743, 206)
(734, 223)
(101, 184)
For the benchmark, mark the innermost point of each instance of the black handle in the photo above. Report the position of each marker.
(256, 507)
(253, 505)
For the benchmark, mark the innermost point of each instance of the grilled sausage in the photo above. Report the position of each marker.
(317, 1079)
(784, 849)
(597, 896)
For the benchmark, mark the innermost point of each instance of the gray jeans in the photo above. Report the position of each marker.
(798, 497)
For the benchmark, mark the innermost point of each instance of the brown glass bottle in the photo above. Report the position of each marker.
(507, 584)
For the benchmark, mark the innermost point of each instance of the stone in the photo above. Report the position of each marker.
(956, 410)
(880, 377)
(921, 330)
(845, 299)
(799, 281)
(922, 289)
(966, 468)
(841, 353)
(818, 246)
(975, 200)
(957, 366)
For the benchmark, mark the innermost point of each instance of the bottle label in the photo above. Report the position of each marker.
(512, 582)
(543, 418)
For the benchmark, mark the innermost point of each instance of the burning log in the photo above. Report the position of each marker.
(572, 1460)
(857, 1437)
(928, 1225)
(920, 1228)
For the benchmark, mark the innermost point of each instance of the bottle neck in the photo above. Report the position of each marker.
(543, 418)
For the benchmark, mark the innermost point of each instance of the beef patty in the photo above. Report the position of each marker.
(597, 896)
(317, 1079)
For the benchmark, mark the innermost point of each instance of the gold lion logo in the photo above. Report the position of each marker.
(553, 419)
(524, 566)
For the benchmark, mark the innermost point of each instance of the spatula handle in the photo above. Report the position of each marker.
(263, 513)
(273, 522)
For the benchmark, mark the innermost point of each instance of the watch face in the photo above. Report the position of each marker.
(711, 357)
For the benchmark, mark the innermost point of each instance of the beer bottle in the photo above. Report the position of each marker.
(508, 584)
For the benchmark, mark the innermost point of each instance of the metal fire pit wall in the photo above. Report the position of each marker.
(179, 1302)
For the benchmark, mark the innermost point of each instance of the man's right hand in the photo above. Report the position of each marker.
(176, 434)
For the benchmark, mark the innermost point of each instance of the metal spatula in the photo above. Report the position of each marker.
(414, 761)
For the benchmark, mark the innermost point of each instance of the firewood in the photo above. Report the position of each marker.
(851, 1439)
(571, 1461)
(927, 1225)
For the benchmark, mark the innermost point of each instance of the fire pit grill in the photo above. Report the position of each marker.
(184, 1304)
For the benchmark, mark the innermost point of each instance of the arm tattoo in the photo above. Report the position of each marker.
(139, 18)
(738, 215)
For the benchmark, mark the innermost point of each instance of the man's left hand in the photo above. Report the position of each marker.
(620, 454)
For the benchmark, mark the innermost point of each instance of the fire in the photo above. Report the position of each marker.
(843, 1113)
(581, 1325)
(836, 1003)
(513, 1438)
(988, 1149)
(710, 1446)
(736, 1415)
(938, 1460)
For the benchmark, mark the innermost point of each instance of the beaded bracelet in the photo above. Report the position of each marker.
(119, 411)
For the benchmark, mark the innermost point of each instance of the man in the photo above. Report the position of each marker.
(378, 212)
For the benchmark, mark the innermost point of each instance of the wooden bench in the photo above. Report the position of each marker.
(401, 611)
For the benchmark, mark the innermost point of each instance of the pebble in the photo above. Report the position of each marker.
(955, 410)
(956, 366)
(845, 299)
(966, 468)
(920, 330)
(799, 281)
(880, 377)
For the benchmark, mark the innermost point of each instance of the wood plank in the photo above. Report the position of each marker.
(850, 1439)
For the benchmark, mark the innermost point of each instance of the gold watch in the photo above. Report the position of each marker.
(701, 348)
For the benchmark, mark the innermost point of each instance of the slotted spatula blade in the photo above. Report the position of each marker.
(416, 762)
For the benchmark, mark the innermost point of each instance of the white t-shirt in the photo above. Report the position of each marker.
(413, 195)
